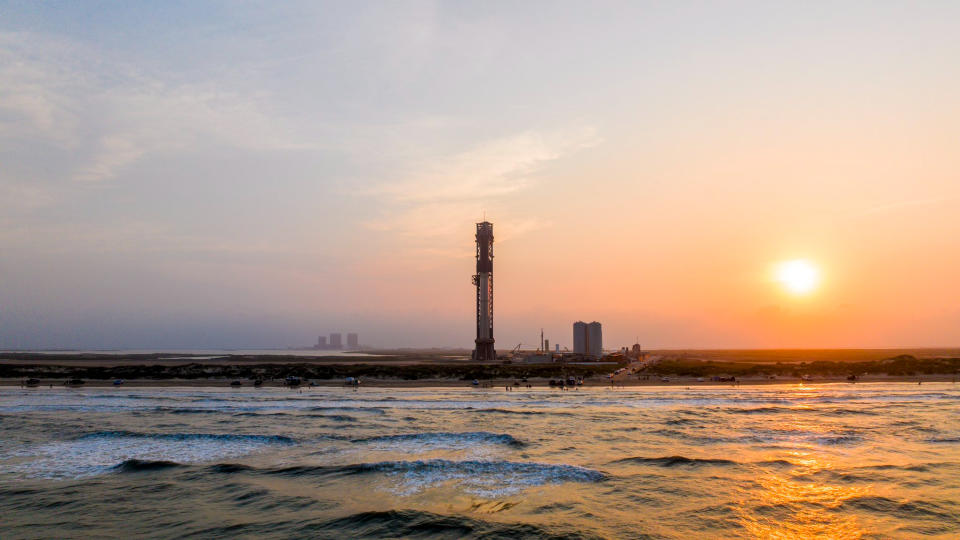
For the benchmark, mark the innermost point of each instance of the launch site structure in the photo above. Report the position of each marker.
(483, 280)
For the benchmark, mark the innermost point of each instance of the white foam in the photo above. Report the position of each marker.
(488, 479)
(91, 456)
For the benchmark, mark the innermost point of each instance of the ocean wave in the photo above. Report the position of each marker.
(100, 452)
(673, 461)
(797, 410)
(444, 439)
(420, 524)
(331, 417)
(912, 509)
(185, 410)
(489, 479)
(496, 410)
(231, 437)
(141, 465)
(371, 410)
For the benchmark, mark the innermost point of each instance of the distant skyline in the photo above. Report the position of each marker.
(248, 175)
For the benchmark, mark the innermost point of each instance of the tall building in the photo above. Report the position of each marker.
(594, 340)
(336, 341)
(353, 341)
(588, 339)
(483, 280)
(580, 337)
(322, 342)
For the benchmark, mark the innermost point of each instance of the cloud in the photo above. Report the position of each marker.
(113, 154)
(110, 115)
(443, 194)
(490, 169)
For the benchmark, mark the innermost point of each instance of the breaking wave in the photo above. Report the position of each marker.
(483, 478)
(444, 439)
(98, 453)
(229, 437)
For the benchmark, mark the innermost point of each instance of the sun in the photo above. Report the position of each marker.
(798, 276)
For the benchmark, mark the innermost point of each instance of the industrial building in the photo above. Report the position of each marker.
(588, 339)
(483, 280)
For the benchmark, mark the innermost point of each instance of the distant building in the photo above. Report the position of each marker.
(580, 337)
(594, 340)
(322, 342)
(588, 339)
(336, 341)
(353, 341)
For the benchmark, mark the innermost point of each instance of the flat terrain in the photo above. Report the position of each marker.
(451, 367)
(762, 356)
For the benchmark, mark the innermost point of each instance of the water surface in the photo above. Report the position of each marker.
(847, 461)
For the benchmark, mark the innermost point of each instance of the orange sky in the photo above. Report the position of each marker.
(645, 166)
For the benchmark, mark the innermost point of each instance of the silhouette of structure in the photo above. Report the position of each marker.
(580, 337)
(588, 339)
(353, 341)
(336, 341)
(483, 280)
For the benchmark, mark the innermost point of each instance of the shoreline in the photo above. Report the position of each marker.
(496, 384)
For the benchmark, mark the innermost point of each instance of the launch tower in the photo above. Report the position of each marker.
(483, 280)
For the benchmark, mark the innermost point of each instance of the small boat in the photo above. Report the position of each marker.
(258, 382)
(74, 382)
(475, 382)
(292, 381)
(118, 382)
(31, 383)
(236, 384)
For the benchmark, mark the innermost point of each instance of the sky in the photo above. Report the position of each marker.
(250, 175)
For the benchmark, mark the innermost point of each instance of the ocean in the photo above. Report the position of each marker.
(778, 461)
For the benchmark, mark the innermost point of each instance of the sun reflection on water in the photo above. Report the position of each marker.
(790, 506)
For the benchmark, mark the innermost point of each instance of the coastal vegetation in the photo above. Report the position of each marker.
(901, 365)
(462, 371)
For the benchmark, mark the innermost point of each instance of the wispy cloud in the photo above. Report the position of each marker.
(111, 115)
(441, 196)
(490, 169)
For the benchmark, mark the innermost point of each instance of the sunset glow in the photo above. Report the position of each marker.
(649, 167)
(798, 276)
